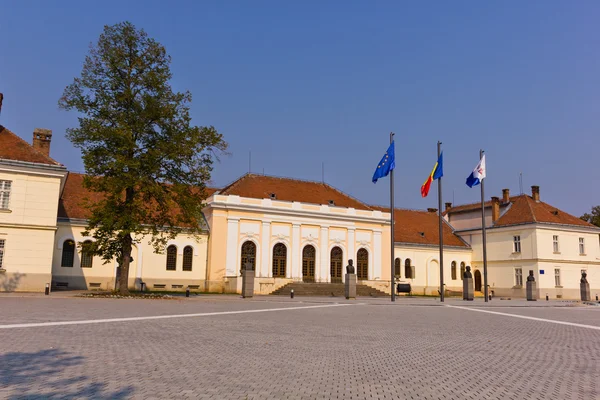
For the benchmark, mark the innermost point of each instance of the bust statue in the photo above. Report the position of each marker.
(467, 273)
(530, 278)
(583, 277)
(246, 267)
(350, 267)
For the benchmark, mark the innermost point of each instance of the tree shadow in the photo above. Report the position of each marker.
(43, 375)
(10, 283)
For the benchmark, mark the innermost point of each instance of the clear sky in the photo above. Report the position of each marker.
(304, 82)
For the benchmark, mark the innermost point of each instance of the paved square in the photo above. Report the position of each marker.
(224, 347)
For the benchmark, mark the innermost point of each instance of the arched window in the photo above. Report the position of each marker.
(279, 260)
(188, 256)
(409, 270)
(248, 255)
(308, 263)
(463, 268)
(68, 253)
(397, 268)
(453, 270)
(171, 258)
(362, 264)
(335, 264)
(86, 257)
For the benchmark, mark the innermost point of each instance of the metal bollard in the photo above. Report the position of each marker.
(546, 296)
(187, 292)
(292, 293)
(596, 297)
(47, 291)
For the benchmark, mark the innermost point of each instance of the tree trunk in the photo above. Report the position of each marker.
(125, 260)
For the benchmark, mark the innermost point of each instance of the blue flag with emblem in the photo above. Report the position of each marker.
(387, 163)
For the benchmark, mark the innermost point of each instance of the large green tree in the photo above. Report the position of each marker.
(593, 217)
(143, 157)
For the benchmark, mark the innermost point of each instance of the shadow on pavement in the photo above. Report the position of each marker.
(38, 375)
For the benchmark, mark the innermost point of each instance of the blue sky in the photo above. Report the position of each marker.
(301, 83)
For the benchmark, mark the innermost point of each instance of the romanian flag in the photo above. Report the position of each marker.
(436, 173)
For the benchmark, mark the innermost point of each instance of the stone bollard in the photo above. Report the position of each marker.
(531, 287)
(47, 291)
(350, 288)
(468, 290)
(584, 287)
(247, 283)
(187, 291)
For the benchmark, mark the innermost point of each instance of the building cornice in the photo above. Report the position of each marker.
(534, 225)
(539, 260)
(432, 246)
(29, 226)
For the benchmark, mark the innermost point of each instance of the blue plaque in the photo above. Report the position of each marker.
(541, 272)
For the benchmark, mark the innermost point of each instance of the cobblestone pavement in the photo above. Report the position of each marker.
(371, 349)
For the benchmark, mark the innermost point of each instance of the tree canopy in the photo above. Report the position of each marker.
(140, 150)
(593, 217)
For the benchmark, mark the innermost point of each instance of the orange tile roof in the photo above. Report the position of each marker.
(14, 148)
(73, 198)
(421, 227)
(287, 189)
(523, 209)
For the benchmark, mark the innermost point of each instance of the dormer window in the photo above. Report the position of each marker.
(331, 203)
(422, 234)
(272, 196)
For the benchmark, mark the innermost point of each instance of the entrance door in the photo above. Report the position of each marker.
(336, 260)
(308, 264)
(477, 281)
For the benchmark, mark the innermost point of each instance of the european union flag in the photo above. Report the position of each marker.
(387, 163)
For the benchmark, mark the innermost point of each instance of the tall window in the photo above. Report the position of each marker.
(86, 258)
(4, 194)
(279, 260)
(171, 258)
(68, 253)
(188, 256)
(362, 264)
(248, 255)
(463, 269)
(555, 243)
(409, 270)
(581, 246)
(2, 244)
(519, 276)
(517, 244)
(308, 263)
(557, 277)
(453, 270)
(397, 267)
(336, 259)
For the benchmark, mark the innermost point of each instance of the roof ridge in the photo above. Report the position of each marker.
(399, 208)
(527, 199)
(3, 128)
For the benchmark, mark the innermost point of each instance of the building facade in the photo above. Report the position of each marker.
(287, 230)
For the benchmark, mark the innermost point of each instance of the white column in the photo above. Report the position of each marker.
(232, 247)
(296, 272)
(265, 249)
(351, 242)
(323, 266)
(375, 267)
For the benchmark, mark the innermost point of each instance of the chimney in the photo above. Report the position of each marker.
(41, 140)
(432, 210)
(535, 193)
(506, 196)
(495, 208)
(448, 206)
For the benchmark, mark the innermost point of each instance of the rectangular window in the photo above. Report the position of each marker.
(555, 243)
(2, 242)
(517, 244)
(4, 194)
(581, 246)
(519, 276)
(557, 277)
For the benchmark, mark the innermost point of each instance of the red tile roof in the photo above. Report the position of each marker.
(287, 189)
(421, 227)
(523, 209)
(14, 148)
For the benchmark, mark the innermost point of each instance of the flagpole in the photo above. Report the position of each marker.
(485, 276)
(393, 294)
(439, 150)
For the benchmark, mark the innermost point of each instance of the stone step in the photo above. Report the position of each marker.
(326, 289)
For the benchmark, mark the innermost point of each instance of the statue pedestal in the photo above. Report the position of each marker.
(585, 291)
(531, 288)
(468, 291)
(350, 286)
(247, 283)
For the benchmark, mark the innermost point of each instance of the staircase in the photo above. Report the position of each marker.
(326, 289)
